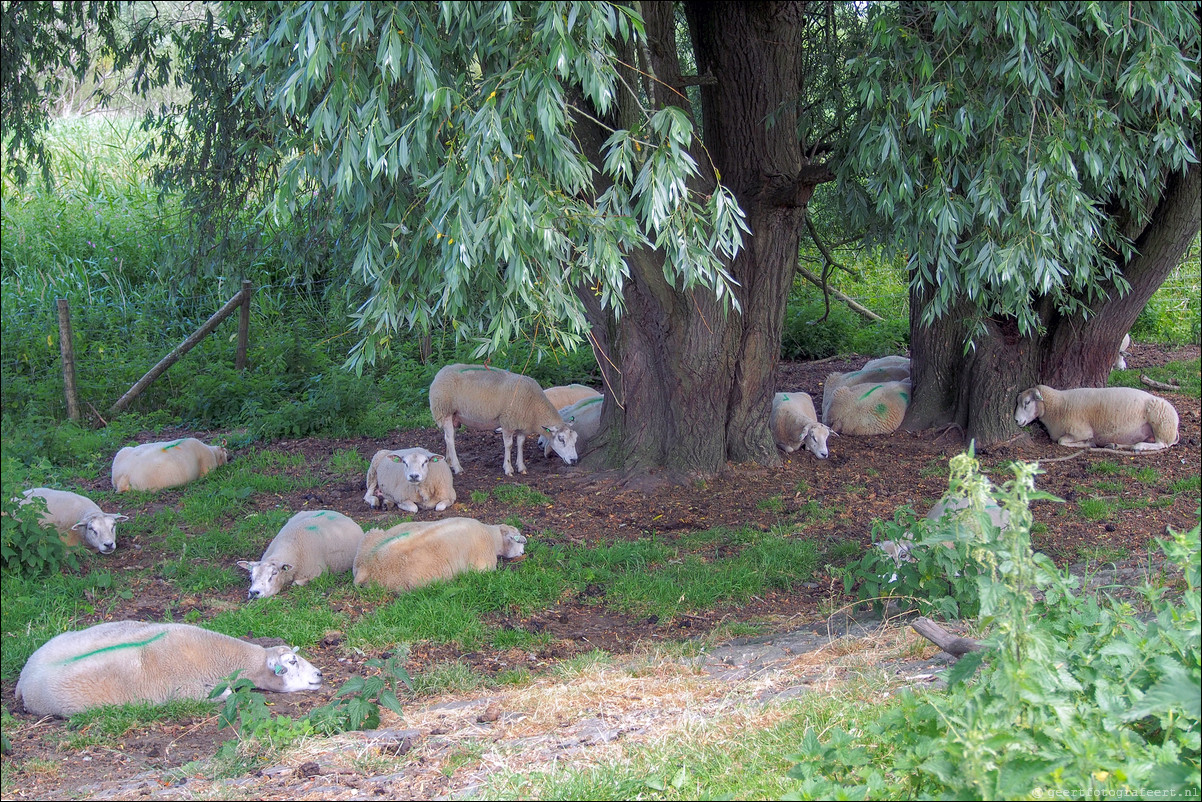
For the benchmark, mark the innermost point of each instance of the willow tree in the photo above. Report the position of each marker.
(1037, 165)
(534, 170)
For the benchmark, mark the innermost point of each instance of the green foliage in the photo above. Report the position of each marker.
(990, 164)
(26, 547)
(1071, 692)
(1186, 375)
(949, 559)
(440, 131)
(358, 701)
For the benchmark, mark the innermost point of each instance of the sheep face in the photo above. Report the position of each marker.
(267, 577)
(294, 672)
(1030, 407)
(563, 442)
(814, 437)
(417, 466)
(100, 531)
(513, 542)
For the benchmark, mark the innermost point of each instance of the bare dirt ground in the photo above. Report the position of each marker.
(864, 479)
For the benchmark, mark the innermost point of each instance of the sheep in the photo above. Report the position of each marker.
(568, 394)
(136, 661)
(794, 423)
(868, 409)
(891, 363)
(1121, 417)
(309, 544)
(1120, 359)
(483, 397)
(67, 512)
(157, 466)
(410, 479)
(413, 555)
(584, 417)
(887, 370)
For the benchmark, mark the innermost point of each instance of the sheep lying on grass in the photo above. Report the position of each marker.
(69, 512)
(864, 409)
(584, 417)
(413, 555)
(411, 479)
(794, 423)
(568, 394)
(877, 371)
(309, 544)
(135, 661)
(481, 397)
(157, 466)
(1121, 417)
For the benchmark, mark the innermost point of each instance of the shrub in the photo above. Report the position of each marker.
(25, 546)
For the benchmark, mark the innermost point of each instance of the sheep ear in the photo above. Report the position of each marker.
(394, 458)
(547, 429)
(433, 459)
(571, 419)
(249, 566)
(83, 524)
(1038, 396)
(286, 567)
(117, 518)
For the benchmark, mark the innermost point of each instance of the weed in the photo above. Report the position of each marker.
(519, 494)
(1096, 509)
(773, 504)
(347, 460)
(357, 703)
(1105, 466)
(479, 496)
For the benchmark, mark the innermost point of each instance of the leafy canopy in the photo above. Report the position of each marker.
(445, 131)
(1013, 149)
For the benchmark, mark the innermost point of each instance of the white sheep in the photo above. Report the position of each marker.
(413, 555)
(309, 544)
(794, 423)
(135, 661)
(584, 416)
(157, 466)
(411, 479)
(568, 394)
(1122, 417)
(887, 369)
(864, 409)
(1120, 359)
(892, 363)
(68, 512)
(483, 397)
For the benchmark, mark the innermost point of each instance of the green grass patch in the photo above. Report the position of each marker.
(518, 494)
(1096, 509)
(1187, 375)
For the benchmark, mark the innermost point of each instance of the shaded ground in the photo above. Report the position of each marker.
(864, 479)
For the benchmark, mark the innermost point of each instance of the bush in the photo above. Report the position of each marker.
(25, 546)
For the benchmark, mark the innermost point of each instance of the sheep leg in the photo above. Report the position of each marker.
(507, 436)
(448, 435)
(1157, 446)
(1071, 443)
(521, 450)
(408, 506)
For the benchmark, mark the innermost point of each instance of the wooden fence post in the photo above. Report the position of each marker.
(243, 328)
(181, 349)
(67, 348)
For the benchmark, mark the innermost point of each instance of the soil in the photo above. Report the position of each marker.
(864, 479)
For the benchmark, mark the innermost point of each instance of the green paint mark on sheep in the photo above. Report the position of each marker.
(311, 527)
(112, 648)
(173, 445)
(875, 387)
(584, 404)
(882, 409)
(386, 541)
(904, 396)
(476, 367)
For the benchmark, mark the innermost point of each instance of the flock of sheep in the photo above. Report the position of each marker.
(127, 661)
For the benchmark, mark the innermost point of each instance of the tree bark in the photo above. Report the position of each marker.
(975, 390)
(697, 380)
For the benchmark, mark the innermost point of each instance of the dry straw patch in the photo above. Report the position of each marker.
(596, 718)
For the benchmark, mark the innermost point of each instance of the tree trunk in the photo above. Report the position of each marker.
(691, 386)
(976, 390)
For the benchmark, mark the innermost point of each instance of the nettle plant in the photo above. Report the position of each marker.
(946, 564)
(1072, 694)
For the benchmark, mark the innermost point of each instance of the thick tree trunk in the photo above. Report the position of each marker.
(976, 390)
(691, 384)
